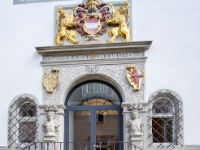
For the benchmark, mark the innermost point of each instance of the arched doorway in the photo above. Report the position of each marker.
(93, 118)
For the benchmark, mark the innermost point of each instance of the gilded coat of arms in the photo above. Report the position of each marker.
(91, 19)
(135, 76)
(50, 80)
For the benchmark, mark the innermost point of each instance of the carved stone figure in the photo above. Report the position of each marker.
(51, 125)
(120, 18)
(135, 124)
(65, 21)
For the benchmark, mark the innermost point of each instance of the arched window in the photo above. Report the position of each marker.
(165, 119)
(22, 125)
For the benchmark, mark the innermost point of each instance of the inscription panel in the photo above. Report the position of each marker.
(93, 56)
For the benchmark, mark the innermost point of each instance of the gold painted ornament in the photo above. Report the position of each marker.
(92, 19)
(135, 76)
(120, 18)
(50, 80)
(65, 21)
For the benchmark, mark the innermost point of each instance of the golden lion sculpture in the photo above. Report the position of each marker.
(119, 17)
(65, 21)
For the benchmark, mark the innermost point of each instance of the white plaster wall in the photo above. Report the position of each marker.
(173, 59)
(22, 28)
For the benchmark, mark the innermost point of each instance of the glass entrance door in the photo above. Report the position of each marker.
(79, 130)
(107, 126)
(93, 129)
(93, 118)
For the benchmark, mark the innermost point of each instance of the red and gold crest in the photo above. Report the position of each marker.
(92, 24)
(136, 77)
(92, 19)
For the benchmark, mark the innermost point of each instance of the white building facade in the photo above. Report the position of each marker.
(97, 103)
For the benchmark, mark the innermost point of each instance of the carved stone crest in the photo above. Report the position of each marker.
(50, 80)
(91, 19)
(135, 76)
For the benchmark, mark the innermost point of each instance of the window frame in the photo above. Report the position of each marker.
(26, 119)
(177, 115)
(15, 118)
(93, 111)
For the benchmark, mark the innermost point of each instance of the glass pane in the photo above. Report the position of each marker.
(106, 129)
(162, 130)
(27, 131)
(94, 102)
(162, 106)
(93, 94)
(79, 130)
(27, 110)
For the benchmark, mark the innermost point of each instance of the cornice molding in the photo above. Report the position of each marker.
(94, 48)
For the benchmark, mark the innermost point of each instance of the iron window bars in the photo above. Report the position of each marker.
(22, 123)
(165, 120)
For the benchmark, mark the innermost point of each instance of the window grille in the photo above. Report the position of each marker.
(165, 120)
(22, 123)
(29, 135)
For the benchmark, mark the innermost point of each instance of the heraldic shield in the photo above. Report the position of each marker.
(136, 77)
(50, 80)
(92, 24)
